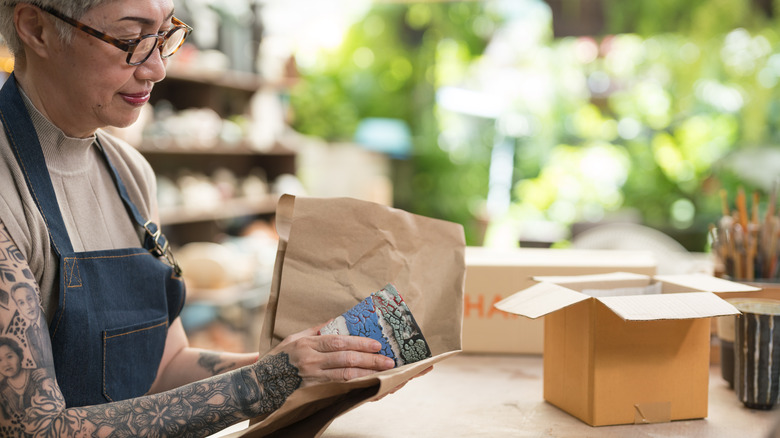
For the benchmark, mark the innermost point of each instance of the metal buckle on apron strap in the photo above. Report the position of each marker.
(157, 244)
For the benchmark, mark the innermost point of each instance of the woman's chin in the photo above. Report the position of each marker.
(125, 121)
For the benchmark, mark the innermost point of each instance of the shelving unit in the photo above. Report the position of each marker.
(229, 94)
(239, 160)
(232, 208)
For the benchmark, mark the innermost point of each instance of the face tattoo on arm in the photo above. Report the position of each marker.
(213, 363)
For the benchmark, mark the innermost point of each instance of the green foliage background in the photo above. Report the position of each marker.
(691, 82)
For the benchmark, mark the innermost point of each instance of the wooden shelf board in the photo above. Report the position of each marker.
(237, 80)
(230, 208)
(243, 81)
(241, 149)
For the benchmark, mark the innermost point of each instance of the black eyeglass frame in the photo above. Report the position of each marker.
(127, 45)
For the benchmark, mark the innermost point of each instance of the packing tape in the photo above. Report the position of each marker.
(645, 413)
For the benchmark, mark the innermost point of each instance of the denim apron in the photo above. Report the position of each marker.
(115, 306)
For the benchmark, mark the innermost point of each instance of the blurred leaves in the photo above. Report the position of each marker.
(389, 66)
(642, 117)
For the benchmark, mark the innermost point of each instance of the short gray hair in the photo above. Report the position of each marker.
(71, 8)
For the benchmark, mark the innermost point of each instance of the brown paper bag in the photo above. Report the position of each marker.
(332, 254)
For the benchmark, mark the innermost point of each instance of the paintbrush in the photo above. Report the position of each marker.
(751, 243)
(742, 209)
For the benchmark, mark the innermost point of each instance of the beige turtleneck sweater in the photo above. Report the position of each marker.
(89, 202)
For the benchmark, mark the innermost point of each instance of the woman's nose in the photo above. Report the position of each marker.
(153, 69)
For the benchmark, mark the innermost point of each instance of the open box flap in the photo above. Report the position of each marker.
(540, 299)
(705, 283)
(669, 306)
(612, 280)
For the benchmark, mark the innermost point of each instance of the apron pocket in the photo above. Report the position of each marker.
(127, 353)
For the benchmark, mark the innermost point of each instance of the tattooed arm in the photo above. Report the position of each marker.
(320, 358)
(31, 403)
(182, 364)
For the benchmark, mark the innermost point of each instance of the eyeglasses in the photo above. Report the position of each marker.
(139, 49)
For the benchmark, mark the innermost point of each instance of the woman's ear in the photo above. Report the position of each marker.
(35, 31)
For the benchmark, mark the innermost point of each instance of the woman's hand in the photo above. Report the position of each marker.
(326, 358)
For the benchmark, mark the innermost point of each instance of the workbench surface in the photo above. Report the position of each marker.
(501, 396)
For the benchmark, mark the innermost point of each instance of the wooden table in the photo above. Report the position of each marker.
(501, 396)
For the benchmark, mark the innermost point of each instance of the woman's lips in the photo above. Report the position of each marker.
(136, 99)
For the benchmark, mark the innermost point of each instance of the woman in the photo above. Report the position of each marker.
(74, 203)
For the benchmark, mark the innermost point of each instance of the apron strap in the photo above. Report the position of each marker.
(154, 240)
(22, 136)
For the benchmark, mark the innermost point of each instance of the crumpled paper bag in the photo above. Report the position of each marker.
(333, 252)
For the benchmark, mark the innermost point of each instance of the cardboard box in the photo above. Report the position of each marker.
(494, 274)
(623, 348)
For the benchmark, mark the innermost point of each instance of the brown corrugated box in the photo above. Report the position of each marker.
(638, 352)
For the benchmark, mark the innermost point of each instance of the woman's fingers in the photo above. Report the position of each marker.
(342, 365)
(356, 360)
(331, 343)
(329, 358)
(294, 337)
(352, 356)
(323, 358)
